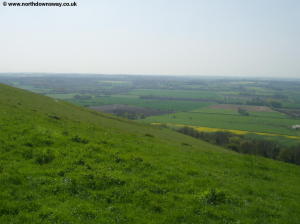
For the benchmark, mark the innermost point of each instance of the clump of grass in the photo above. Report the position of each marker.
(185, 144)
(157, 209)
(79, 139)
(27, 153)
(44, 156)
(214, 197)
(55, 117)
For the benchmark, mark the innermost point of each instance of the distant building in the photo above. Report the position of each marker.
(297, 126)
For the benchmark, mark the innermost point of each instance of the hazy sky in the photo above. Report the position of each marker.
(188, 37)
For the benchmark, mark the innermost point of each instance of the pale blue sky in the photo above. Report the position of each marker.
(188, 37)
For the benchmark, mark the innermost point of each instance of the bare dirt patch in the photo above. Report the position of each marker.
(245, 107)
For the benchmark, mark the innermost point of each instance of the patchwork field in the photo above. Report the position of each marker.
(246, 107)
(229, 119)
(185, 94)
(172, 105)
(61, 163)
(251, 106)
(238, 132)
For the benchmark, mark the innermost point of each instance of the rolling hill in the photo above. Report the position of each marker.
(60, 163)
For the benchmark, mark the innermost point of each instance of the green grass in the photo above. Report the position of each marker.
(291, 105)
(172, 105)
(196, 94)
(117, 82)
(269, 122)
(280, 140)
(273, 114)
(61, 163)
(62, 96)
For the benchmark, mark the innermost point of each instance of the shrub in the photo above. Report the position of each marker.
(276, 104)
(247, 145)
(243, 112)
(222, 138)
(55, 117)
(45, 156)
(213, 197)
(27, 153)
(78, 139)
(162, 125)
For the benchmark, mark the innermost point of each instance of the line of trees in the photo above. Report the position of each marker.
(243, 144)
(243, 112)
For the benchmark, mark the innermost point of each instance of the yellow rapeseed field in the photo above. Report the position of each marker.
(238, 132)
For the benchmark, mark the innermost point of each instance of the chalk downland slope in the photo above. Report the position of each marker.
(60, 163)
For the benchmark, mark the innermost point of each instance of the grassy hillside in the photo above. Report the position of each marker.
(60, 163)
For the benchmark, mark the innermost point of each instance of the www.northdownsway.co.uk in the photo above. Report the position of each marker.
(39, 4)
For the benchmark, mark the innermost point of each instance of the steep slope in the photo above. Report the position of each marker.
(60, 163)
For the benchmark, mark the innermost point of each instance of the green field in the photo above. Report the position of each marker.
(209, 110)
(62, 96)
(195, 94)
(172, 105)
(61, 163)
(269, 122)
(182, 100)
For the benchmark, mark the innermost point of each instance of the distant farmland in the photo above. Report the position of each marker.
(267, 122)
(247, 105)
